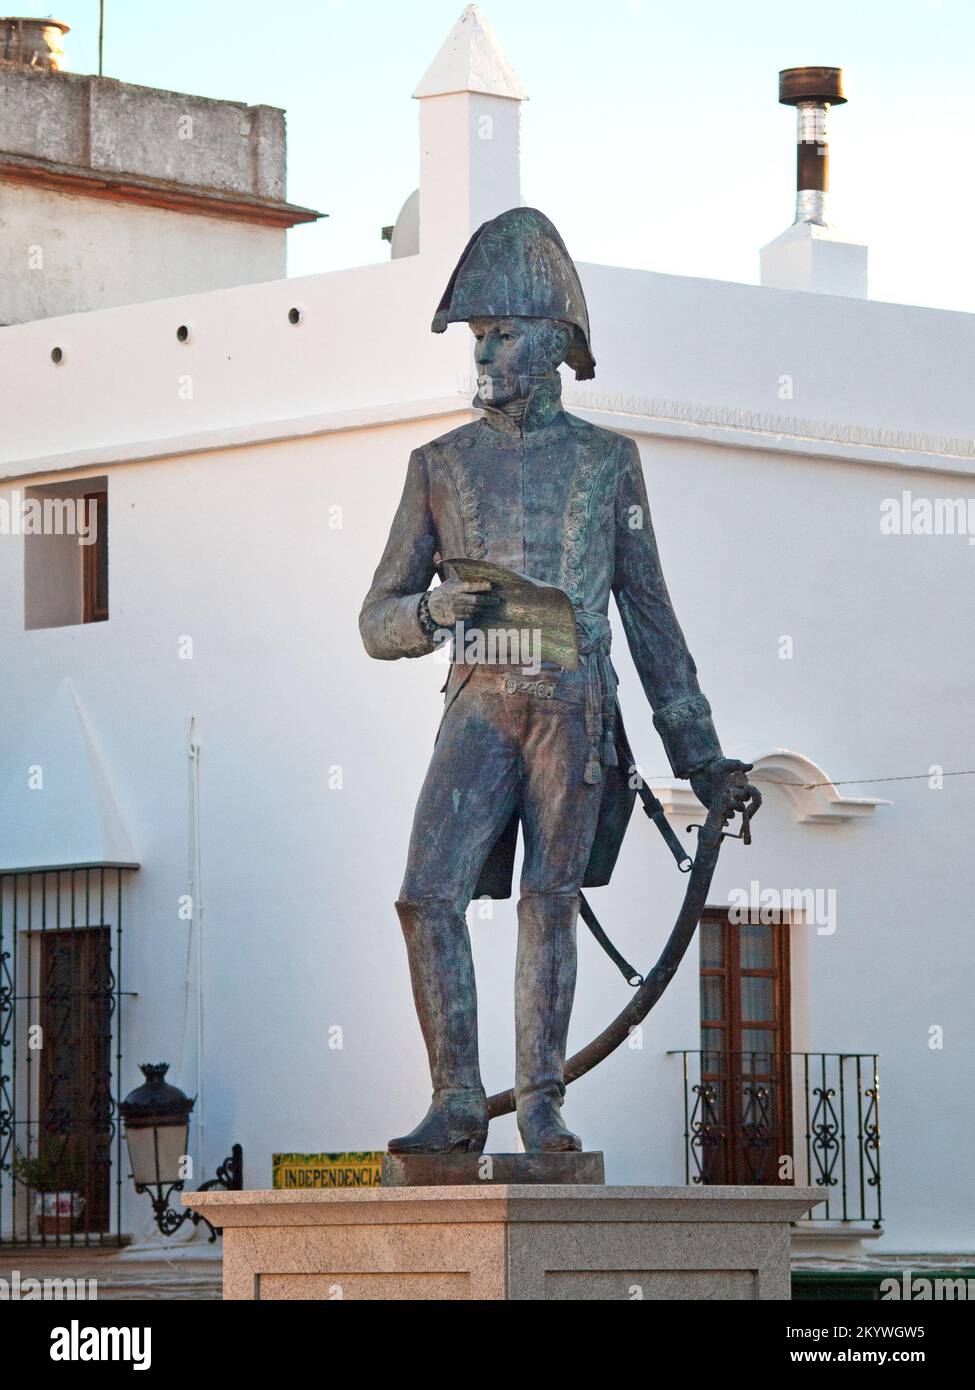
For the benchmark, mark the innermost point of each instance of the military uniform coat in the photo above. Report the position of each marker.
(562, 501)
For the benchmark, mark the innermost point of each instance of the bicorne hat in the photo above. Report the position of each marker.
(516, 266)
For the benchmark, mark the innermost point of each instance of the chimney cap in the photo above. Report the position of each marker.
(40, 20)
(32, 42)
(811, 84)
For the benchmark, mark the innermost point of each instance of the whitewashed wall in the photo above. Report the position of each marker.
(67, 253)
(363, 353)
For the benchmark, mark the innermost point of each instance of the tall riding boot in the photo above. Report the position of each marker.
(545, 977)
(442, 971)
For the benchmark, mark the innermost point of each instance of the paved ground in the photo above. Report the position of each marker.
(116, 1279)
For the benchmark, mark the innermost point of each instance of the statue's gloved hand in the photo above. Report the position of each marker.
(458, 600)
(722, 783)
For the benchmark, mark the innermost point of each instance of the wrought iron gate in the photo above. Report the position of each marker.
(60, 1055)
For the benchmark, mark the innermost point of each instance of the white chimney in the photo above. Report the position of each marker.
(812, 254)
(470, 138)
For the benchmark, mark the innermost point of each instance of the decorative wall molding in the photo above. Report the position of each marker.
(728, 427)
(765, 429)
(814, 798)
(153, 193)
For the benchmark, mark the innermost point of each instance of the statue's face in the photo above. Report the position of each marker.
(509, 352)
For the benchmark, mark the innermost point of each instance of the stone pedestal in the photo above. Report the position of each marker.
(507, 1242)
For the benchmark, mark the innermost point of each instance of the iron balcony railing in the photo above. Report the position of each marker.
(794, 1118)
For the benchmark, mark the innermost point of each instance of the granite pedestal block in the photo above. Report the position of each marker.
(500, 1242)
(449, 1170)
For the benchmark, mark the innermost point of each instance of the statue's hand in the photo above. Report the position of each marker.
(459, 600)
(722, 784)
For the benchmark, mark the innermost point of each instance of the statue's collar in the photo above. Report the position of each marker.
(541, 405)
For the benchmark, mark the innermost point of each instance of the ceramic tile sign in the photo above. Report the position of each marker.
(298, 1171)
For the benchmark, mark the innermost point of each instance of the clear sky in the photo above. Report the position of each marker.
(652, 137)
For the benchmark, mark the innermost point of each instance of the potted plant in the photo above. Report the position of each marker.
(57, 1182)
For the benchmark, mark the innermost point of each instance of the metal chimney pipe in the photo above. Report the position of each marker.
(812, 91)
(33, 43)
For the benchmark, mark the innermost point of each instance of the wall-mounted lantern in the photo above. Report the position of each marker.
(157, 1124)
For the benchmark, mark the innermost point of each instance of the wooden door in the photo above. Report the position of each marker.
(75, 1075)
(745, 1097)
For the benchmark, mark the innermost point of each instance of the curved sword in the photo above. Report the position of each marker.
(710, 835)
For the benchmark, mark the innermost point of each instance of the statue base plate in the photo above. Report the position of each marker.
(474, 1170)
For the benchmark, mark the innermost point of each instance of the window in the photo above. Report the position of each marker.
(65, 530)
(95, 561)
(745, 1044)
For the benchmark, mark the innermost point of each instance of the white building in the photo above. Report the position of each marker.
(115, 194)
(225, 731)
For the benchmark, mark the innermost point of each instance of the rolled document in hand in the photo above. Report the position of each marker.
(527, 605)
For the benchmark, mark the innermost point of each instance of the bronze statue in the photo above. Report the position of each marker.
(534, 490)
